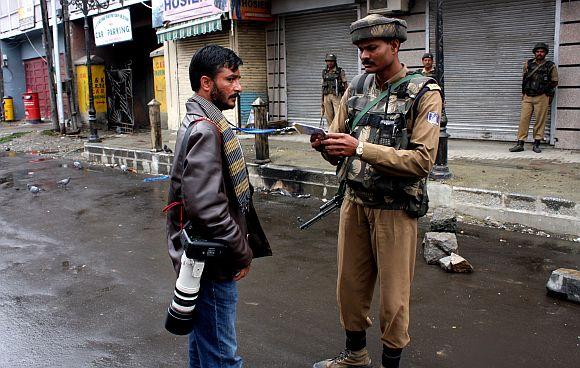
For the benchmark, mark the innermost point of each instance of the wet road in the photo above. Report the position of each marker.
(85, 280)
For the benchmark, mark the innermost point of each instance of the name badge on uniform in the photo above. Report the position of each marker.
(433, 118)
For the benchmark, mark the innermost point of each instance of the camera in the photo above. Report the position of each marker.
(181, 311)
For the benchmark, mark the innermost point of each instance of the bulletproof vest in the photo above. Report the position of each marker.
(331, 82)
(538, 83)
(384, 124)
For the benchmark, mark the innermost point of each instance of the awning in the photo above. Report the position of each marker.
(190, 28)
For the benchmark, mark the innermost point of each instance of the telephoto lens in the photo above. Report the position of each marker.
(181, 311)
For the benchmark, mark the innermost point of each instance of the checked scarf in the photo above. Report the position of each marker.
(232, 150)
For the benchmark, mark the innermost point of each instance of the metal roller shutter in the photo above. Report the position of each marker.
(185, 50)
(308, 38)
(251, 40)
(486, 44)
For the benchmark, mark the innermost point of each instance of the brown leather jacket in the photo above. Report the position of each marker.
(209, 201)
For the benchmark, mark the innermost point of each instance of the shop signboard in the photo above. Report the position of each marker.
(257, 10)
(175, 11)
(113, 27)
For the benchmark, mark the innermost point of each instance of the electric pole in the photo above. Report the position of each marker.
(47, 40)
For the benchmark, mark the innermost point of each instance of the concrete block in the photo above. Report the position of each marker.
(569, 54)
(489, 198)
(568, 118)
(411, 58)
(558, 206)
(570, 33)
(415, 22)
(565, 283)
(518, 201)
(415, 40)
(567, 139)
(568, 97)
(444, 220)
(440, 195)
(570, 11)
(569, 76)
(438, 245)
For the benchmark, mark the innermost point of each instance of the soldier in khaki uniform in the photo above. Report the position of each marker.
(333, 86)
(428, 69)
(539, 82)
(386, 134)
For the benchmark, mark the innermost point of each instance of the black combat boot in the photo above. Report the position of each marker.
(391, 357)
(536, 146)
(519, 147)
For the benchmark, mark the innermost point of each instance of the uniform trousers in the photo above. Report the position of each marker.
(371, 243)
(531, 104)
(331, 103)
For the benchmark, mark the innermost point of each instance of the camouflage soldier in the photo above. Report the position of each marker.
(385, 134)
(333, 86)
(539, 82)
(428, 69)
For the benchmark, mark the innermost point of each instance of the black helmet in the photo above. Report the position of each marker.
(541, 45)
(330, 57)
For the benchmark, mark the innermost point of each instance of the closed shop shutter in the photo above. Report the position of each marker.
(308, 38)
(485, 45)
(251, 40)
(185, 50)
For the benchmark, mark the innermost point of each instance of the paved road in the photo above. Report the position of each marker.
(85, 281)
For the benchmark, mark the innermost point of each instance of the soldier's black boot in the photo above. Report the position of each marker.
(391, 357)
(536, 146)
(519, 147)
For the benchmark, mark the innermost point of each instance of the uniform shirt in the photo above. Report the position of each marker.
(341, 80)
(553, 71)
(423, 136)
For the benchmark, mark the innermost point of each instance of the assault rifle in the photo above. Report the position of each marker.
(328, 207)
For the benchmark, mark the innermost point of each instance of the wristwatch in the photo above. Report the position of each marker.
(359, 149)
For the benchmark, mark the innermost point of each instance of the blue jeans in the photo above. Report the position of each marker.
(212, 344)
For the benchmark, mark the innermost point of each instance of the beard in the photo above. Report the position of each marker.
(221, 100)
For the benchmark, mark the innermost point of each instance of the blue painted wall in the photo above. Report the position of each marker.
(17, 50)
(13, 73)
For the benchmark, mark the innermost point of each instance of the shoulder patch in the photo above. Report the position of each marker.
(434, 87)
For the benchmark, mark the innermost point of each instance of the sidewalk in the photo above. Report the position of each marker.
(489, 182)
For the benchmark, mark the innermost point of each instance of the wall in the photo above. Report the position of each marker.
(568, 95)
(14, 81)
(291, 6)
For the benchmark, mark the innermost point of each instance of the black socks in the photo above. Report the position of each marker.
(391, 357)
(356, 340)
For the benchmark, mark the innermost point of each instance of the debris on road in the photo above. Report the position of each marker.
(455, 263)
(444, 220)
(564, 283)
(438, 245)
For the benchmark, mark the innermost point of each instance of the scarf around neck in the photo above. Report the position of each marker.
(232, 150)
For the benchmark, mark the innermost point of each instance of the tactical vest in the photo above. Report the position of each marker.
(331, 82)
(384, 124)
(538, 83)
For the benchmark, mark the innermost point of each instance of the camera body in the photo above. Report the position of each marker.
(181, 311)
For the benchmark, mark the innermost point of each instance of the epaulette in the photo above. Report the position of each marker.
(433, 87)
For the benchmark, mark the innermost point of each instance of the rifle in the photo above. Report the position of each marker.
(327, 207)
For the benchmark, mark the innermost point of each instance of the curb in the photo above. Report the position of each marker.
(550, 214)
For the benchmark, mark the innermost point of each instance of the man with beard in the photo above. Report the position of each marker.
(211, 194)
(428, 69)
(385, 137)
(539, 81)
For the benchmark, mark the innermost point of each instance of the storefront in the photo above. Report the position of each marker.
(242, 29)
(486, 44)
